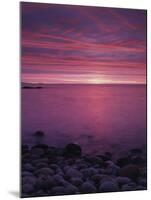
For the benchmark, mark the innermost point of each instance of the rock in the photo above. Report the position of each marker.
(52, 152)
(128, 187)
(37, 151)
(44, 171)
(140, 187)
(39, 134)
(96, 177)
(130, 171)
(76, 181)
(26, 173)
(88, 172)
(88, 187)
(58, 190)
(27, 188)
(29, 179)
(71, 189)
(109, 186)
(28, 167)
(123, 161)
(41, 165)
(45, 182)
(123, 180)
(142, 182)
(24, 149)
(73, 173)
(138, 160)
(136, 151)
(108, 155)
(111, 168)
(72, 150)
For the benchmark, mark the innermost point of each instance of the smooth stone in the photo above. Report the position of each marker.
(130, 171)
(54, 166)
(26, 173)
(138, 160)
(88, 187)
(136, 151)
(76, 181)
(29, 179)
(140, 187)
(71, 172)
(45, 182)
(45, 171)
(88, 172)
(109, 186)
(27, 188)
(121, 162)
(58, 190)
(41, 165)
(127, 187)
(142, 182)
(72, 150)
(28, 167)
(111, 168)
(71, 189)
(37, 151)
(123, 180)
(96, 178)
(58, 178)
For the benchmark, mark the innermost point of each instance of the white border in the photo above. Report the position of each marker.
(9, 98)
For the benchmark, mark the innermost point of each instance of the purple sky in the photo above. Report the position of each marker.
(80, 44)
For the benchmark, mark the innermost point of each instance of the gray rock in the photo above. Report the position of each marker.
(109, 186)
(28, 167)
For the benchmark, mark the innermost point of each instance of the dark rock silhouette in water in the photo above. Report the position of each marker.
(39, 136)
(72, 150)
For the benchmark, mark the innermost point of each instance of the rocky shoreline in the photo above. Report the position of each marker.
(49, 171)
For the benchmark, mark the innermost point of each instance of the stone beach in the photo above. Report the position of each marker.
(49, 171)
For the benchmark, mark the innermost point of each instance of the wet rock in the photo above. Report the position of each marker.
(72, 150)
(88, 187)
(27, 188)
(24, 149)
(109, 186)
(29, 179)
(44, 171)
(142, 182)
(111, 168)
(128, 187)
(88, 172)
(26, 173)
(96, 178)
(123, 180)
(140, 187)
(130, 171)
(138, 160)
(58, 190)
(45, 182)
(71, 189)
(28, 167)
(121, 162)
(37, 151)
(41, 165)
(73, 173)
(136, 151)
(76, 181)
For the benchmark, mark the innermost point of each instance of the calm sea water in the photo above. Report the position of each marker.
(98, 117)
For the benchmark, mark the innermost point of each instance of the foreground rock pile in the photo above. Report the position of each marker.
(50, 171)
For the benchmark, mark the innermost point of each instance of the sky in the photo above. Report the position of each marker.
(82, 44)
